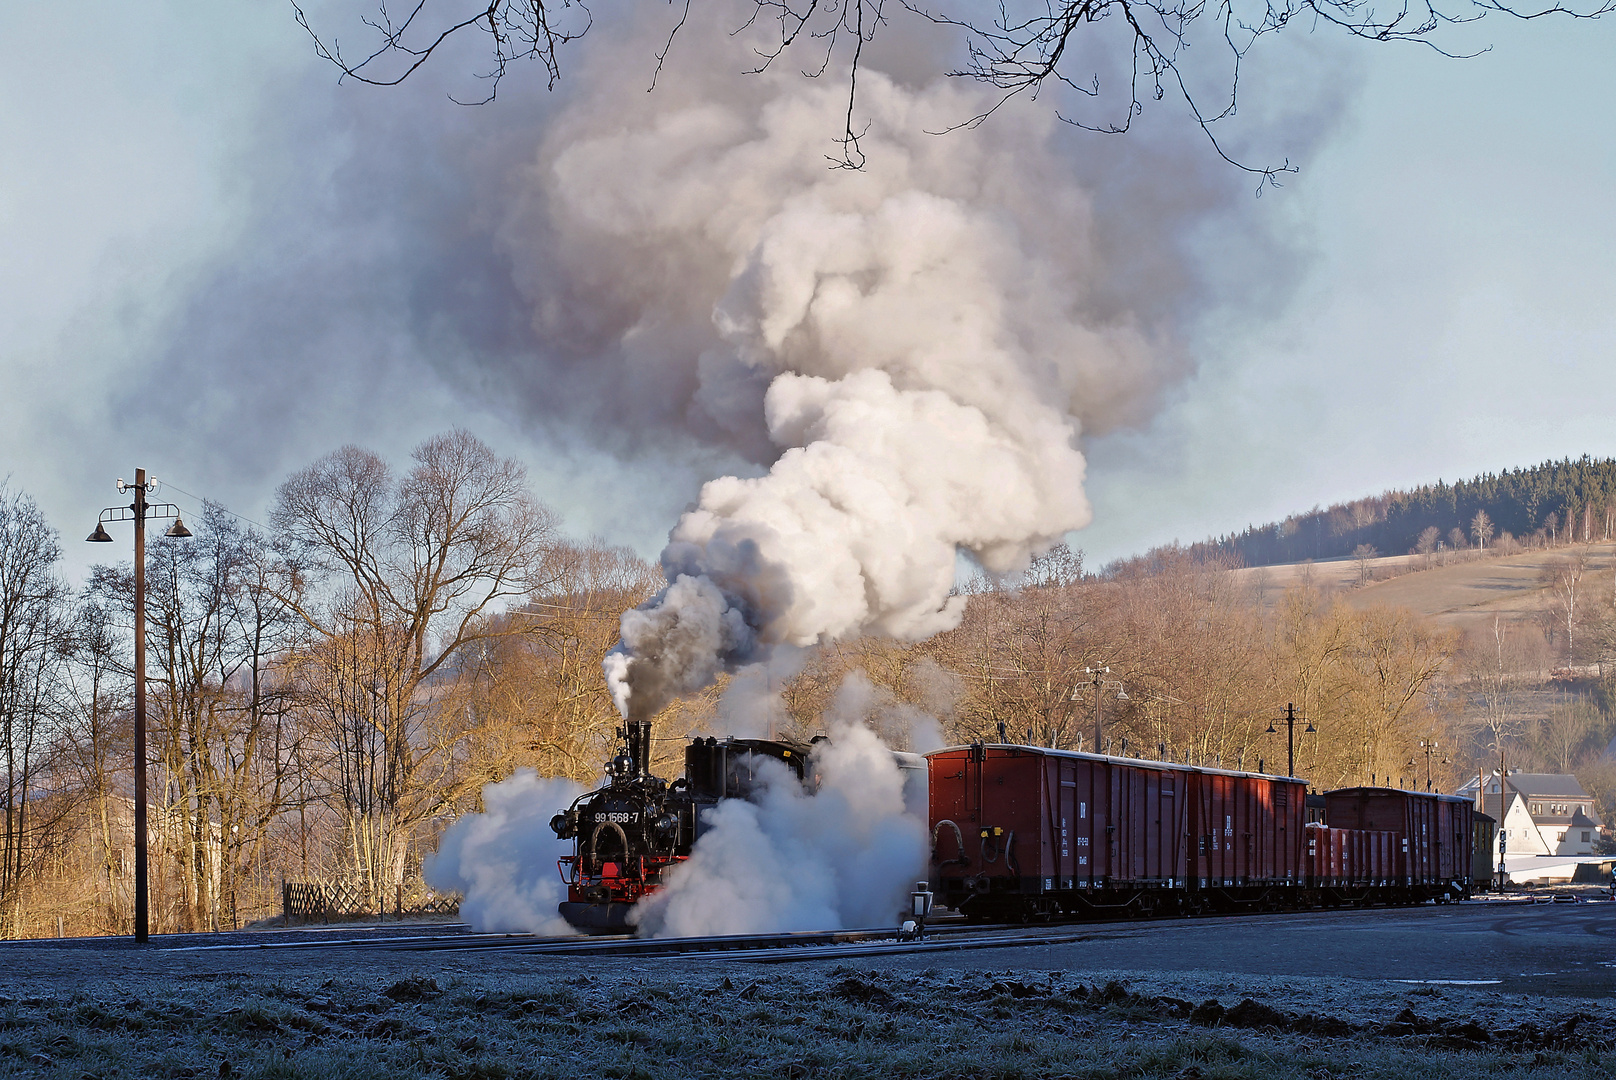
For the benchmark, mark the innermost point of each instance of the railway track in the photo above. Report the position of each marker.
(947, 934)
(772, 948)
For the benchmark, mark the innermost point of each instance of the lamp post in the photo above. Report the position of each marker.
(1428, 745)
(137, 512)
(1098, 680)
(1290, 737)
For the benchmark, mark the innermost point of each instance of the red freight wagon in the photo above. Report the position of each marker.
(1248, 834)
(1432, 859)
(1023, 830)
(1348, 866)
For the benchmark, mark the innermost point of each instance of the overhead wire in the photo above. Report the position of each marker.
(161, 484)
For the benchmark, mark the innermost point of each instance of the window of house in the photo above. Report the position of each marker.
(1585, 836)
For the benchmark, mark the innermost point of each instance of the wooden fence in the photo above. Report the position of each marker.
(327, 901)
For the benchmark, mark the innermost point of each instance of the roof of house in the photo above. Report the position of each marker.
(1578, 820)
(1547, 785)
(1536, 785)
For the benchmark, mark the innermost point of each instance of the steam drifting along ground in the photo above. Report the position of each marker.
(502, 861)
(783, 860)
(843, 857)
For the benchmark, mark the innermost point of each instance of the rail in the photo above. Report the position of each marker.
(767, 948)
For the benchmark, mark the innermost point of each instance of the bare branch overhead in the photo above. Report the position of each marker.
(1016, 48)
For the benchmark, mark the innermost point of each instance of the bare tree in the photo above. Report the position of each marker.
(397, 577)
(95, 744)
(1563, 737)
(1562, 578)
(1493, 662)
(1059, 567)
(533, 692)
(32, 598)
(1430, 536)
(1393, 660)
(1481, 527)
(1364, 554)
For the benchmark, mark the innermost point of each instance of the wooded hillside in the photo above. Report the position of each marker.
(1555, 502)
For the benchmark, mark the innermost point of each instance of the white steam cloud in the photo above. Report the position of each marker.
(921, 341)
(844, 857)
(503, 860)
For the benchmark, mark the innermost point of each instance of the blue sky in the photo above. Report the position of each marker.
(1444, 309)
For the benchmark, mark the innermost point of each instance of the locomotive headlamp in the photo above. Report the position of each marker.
(565, 825)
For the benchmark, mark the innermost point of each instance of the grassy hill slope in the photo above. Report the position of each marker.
(1466, 593)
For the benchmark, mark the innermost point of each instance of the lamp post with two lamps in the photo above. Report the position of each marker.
(1429, 746)
(137, 512)
(1098, 680)
(1290, 736)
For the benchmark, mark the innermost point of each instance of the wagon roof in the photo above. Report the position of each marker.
(1400, 791)
(1045, 751)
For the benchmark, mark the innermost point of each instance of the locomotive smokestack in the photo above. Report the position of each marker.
(639, 746)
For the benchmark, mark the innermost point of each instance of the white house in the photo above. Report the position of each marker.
(1544, 814)
(1544, 819)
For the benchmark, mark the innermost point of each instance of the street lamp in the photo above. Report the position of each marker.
(1429, 745)
(137, 512)
(1290, 736)
(1098, 680)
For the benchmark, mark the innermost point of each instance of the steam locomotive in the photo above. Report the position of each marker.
(632, 831)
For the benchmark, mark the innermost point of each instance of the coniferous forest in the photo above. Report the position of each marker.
(1554, 502)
